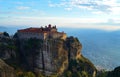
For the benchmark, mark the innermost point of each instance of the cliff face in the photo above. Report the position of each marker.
(7, 48)
(74, 47)
(6, 70)
(51, 56)
(7, 53)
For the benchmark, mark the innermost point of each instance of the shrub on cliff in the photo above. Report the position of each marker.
(25, 74)
(6, 34)
(114, 73)
(81, 67)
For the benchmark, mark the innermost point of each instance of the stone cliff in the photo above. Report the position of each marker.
(6, 70)
(46, 57)
(53, 55)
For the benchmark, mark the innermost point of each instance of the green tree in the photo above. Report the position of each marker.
(6, 34)
(40, 75)
(84, 74)
(15, 35)
(29, 74)
(68, 74)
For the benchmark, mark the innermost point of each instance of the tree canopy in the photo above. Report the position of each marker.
(5, 34)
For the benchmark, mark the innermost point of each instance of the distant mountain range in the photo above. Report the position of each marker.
(10, 30)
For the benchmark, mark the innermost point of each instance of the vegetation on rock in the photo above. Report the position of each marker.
(81, 67)
(6, 34)
(114, 73)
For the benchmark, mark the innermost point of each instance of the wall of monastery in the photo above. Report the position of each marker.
(27, 35)
(58, 35)
(54, 35)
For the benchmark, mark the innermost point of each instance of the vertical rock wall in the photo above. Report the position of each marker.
(50, 55)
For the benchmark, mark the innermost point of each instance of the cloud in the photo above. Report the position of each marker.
(18, 3)
(98, 12)
(35, 12)
(68, 9)
(63, 3)
(11, 12)
(103, 6)
(92, 23)
(23, 8)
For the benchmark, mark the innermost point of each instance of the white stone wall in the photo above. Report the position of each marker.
(26, 35)
(53, 30)
(58, 35)
(64, 36)
(54, 35)
(46, 35)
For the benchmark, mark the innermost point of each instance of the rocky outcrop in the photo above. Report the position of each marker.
(6, 70)
(81, 67)
(7, 48)
(50, 56)
(74, 47)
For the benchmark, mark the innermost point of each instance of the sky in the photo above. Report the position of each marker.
(92, 14)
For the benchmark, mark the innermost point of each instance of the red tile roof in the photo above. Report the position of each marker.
(35, 30)
(45, 29)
